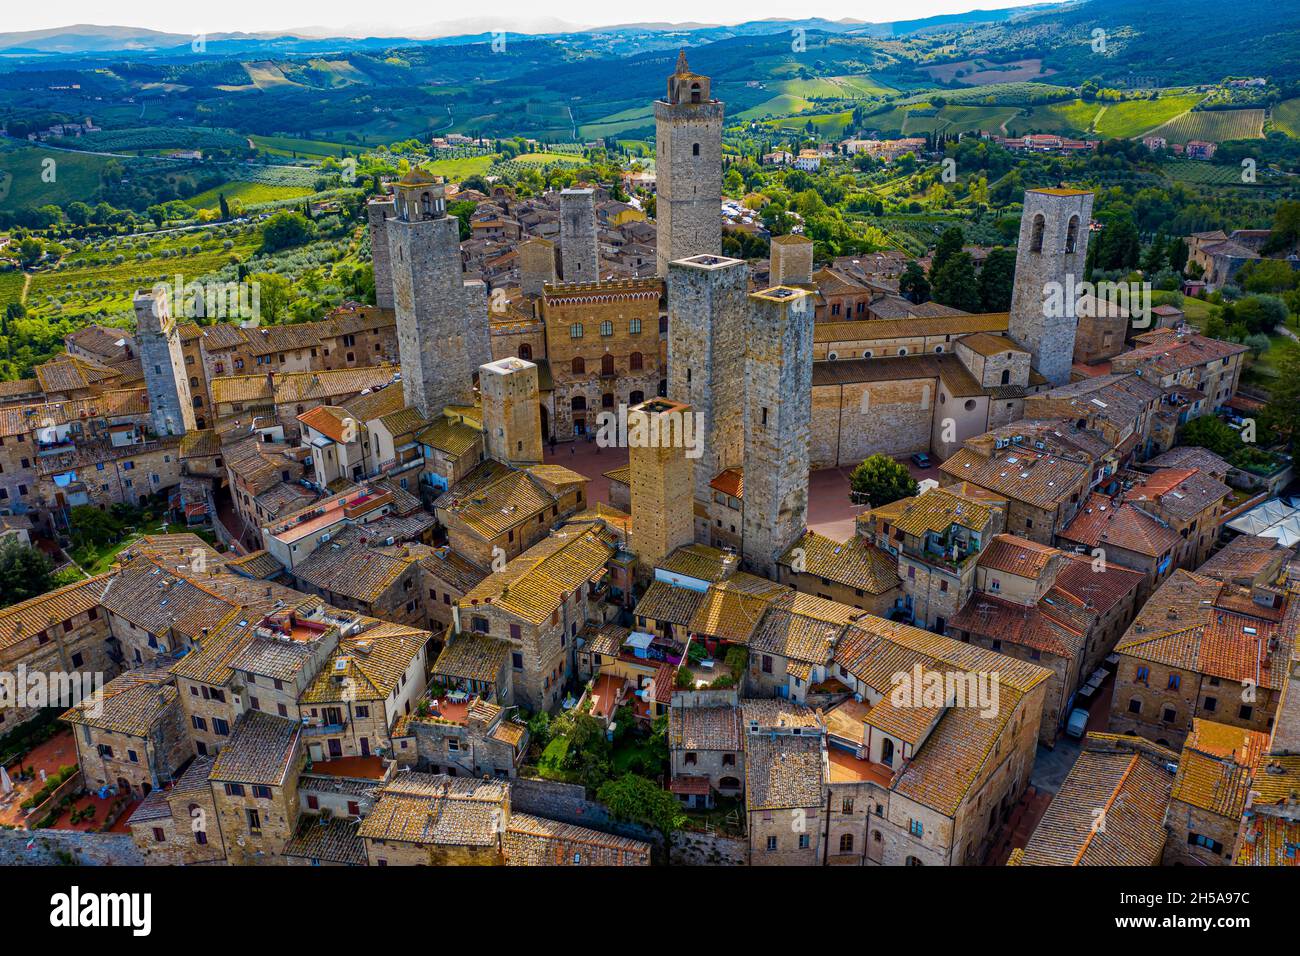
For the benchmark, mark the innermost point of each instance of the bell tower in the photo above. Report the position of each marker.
(688, 169)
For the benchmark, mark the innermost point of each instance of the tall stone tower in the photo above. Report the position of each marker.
(778, 423)
(579, 250)
(688, 169)
(663, 502)
(512, 422)
(159, 342)
(791, 260)
(536, 265)
(707, 314)
(441, 323)
(1049, 264)
(378, 212)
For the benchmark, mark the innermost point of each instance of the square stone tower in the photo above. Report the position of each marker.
(791, 260)
(536, 266)
(442, 323)
(663, 501)
(1050, 255)
(512, 420)
(778, 423)
(707, 315)
(378, 211)
(688, 169)
(159, 343)
(579, 251)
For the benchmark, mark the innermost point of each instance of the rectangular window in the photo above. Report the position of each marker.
(254, 821)
(771, 843)
(262, 793)
(234, 789)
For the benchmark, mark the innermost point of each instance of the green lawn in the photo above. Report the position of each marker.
(289, 145)
(32, 181)
(1286, 117)
(1135, 117)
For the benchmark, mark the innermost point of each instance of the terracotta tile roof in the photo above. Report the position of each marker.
(404, 421)
(536, 841)
(1126, 779)
(987, 344)
(701, 562)
(134, 703)
(856, 563)
(450, 437)
(666, 602)
(938, 509)
(260, 565)
(27, 618)
(1012, 623)
(732, 611)
(913, 327)
(1041, 480)
(157, 599)
(784, 772)
(331, 421)
(433, 809)
(260, 750)
(1101, 521)
(1267, 840)
(493, 499)
(896, 368)
(704, 728)
(352, 569)
(287, 388)
(1184, 625)
(730, 482)
(471, 656)
(1100, 590)
(1244, 558)
(368, 665)
(1216, 766)
(910, 723)
(327, 839)
(1019, 556)
(536, 582)
(452, 568)
(376, 403)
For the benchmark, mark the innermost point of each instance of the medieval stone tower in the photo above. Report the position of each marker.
(512, 423)
(661, 482)
(707, 315)
(378, 212)
(159, 343)
(442, 323)
(536, 265)
(778, 423)
(791, 260)
(688, 169)
(1050, 254)
(579, 251)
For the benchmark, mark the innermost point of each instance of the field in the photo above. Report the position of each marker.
(1135, 117)
(920, 120)
(1286, 117)
(1071, 117)
(250, 194)
(620, 122)
(852, 87)
(75, 176)
(310, 148)
(462, 168)
(1214, 126)
(826, 124)
(975, 72)
(11, 287)
(1201, 173)
(101, 280)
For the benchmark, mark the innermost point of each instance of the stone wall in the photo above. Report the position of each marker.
(54, 847)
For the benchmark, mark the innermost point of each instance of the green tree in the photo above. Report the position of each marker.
(92, 527)
(1212, 433)
(25, 572)
(286, 229)
(949, 245)
(996, 279)
(1282, 413)
(225, 206)
(639, 800)
(913, 284)
(955, 284)
(274, 294)
(1118, 246)
(879, 479)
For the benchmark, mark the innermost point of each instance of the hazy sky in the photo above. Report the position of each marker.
(347, 17)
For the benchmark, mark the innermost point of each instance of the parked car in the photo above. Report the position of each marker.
(921, 460)
(1077, 725)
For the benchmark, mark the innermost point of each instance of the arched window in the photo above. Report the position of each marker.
(846, 843)
(579, 403)
(695, 98)
(526, 352)
(1036, 236)
(913, 861)
(887, 752)
(636, 398)
(1006, 376)
(426, 204)
(635, 361)
(579, 366)
(607, 364)
(1072, 234)
(695, 149)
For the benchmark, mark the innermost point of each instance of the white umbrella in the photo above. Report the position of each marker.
(6, 785)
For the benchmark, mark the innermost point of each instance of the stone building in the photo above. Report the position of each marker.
(163, 362)
(442, 323)
(602, 346)
(1210, 792)
(473, 738)
(255, 788)
(855, 572)
(511, 411)
(786, 769)
(778, 424)
(705, 746)
(178, 826)
(378, 210)
(579, 252)
(1050, 258)
(1110, 811)
(688, 169)
(791, 261)
(661, 478)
